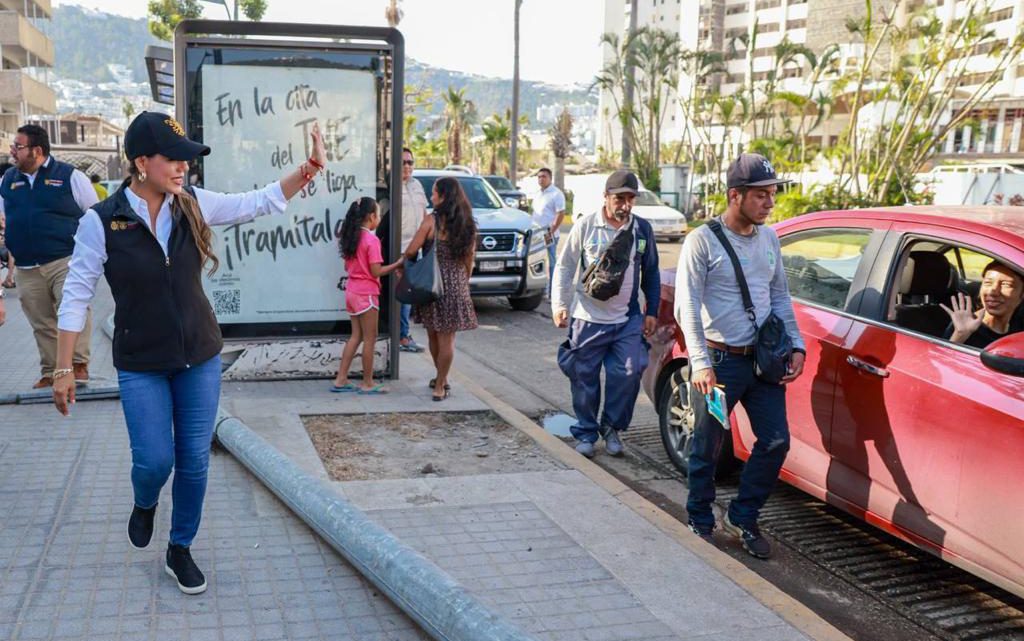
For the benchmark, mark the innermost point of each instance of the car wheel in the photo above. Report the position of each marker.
(676, 421)
(527, 303)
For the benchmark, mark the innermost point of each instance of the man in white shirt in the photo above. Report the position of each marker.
(414, 207)
(549, 212)
(43, 199)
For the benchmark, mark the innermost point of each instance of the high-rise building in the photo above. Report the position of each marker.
(746, 32)
(26, 57)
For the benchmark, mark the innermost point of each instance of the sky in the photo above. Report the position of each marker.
(558, 38)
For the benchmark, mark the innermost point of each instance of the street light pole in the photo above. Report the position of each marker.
(513, 165)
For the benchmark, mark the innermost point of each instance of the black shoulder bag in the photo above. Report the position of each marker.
(774, 347)
(603, 279)
(421, 280)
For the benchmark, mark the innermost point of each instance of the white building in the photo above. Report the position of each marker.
(718, 25)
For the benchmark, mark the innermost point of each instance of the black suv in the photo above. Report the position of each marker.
(511, 196)
(511, 259)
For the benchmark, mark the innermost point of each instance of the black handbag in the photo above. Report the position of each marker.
(774, 347)
(421, 279)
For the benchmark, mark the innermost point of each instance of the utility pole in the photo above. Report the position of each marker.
(513, 165)
(627, 102)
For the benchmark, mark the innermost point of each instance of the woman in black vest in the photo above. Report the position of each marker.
(151, 240)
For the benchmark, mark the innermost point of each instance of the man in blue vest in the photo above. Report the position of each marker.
(42, 199)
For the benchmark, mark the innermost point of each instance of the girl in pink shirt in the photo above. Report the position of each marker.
(360, 248)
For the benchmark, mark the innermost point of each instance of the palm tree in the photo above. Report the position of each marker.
(514, 134)
(393, 14)
(459, 113)
(560, 137)
(497, 135)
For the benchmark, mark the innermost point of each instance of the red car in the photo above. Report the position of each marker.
(919, 436)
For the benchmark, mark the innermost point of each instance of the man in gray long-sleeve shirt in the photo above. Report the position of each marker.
(720, 339)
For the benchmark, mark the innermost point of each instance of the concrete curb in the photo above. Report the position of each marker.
(792, 611)
(432, 598)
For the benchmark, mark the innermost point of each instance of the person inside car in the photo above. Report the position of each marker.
(1002, 290)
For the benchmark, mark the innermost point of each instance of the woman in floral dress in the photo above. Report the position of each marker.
(453, 229)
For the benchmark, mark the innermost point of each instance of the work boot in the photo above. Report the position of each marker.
(81, 372)
(184, 570)
(140, 527)
(586, 449)
(45, 381)
(612, 443)
(750, 535)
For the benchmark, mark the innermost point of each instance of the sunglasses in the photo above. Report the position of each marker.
(407, 162)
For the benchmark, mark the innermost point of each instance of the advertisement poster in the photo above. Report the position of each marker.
(285, 268)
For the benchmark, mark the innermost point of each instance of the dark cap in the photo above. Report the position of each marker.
(622, 182)
(752, 170)
(156, 133)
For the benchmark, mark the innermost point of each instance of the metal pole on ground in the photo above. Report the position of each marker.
(442, 607)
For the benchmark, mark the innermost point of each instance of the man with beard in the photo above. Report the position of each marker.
(608, 259)
(42, 199)
(720, 341)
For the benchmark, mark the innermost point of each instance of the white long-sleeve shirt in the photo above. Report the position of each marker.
(90, 253)
(81, 190)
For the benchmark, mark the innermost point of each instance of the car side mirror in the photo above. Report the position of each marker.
(1006, 355)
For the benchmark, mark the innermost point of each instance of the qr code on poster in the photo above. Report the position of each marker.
(227, 302)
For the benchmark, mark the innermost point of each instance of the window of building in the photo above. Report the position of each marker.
(734, 9)
(770, 27)
(820, 264)
(799, 23)
(999, 16)
(767, 4)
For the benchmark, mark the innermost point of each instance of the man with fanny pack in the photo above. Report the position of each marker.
(732, 303)
(608, 259)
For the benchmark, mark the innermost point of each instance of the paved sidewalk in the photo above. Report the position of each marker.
(565, 556)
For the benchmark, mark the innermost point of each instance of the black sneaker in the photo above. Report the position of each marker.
(181, 566)
(753, 541)
(705, 532)
(140, 527)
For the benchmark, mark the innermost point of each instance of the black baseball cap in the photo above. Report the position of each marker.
(752, 170)
(156, 133)
(622, 182)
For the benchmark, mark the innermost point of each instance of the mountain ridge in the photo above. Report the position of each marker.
(87, 40)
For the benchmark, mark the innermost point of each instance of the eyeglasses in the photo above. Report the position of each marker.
(16, 147)
(407, 162)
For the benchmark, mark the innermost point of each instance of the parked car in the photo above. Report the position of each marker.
(668, 223)
(510, 195)
(919, 436)
(511, 259)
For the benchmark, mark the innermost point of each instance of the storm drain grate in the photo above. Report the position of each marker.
(946, 601)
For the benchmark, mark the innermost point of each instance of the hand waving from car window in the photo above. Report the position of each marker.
(965, 320)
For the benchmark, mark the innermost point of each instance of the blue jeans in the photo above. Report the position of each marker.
(622, 350)
(552, 257)
(404, 323)
(765, 404)
(170, 417)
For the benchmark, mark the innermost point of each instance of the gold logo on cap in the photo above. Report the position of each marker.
(173, 124)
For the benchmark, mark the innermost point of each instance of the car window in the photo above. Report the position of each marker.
(973, 262)
(930, 275)
(499, 182)
(820, 265)
(647, 198)
(480, 194)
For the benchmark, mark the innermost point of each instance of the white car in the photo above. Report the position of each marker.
(669, 224)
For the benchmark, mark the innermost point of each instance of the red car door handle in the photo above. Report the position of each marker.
(867, 367)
